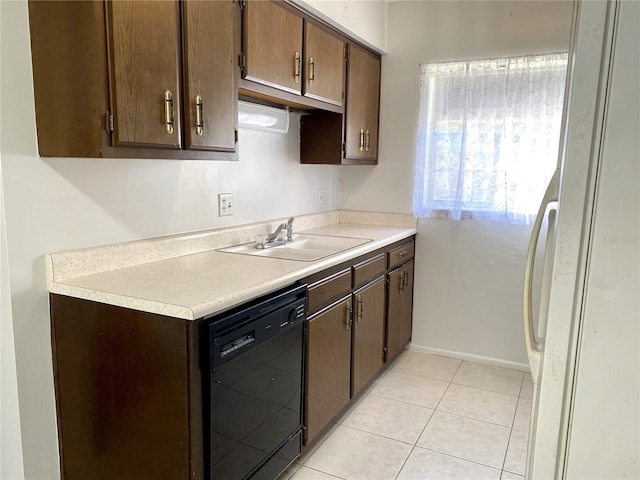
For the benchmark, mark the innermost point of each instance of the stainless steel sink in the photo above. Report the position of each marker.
(303, 248)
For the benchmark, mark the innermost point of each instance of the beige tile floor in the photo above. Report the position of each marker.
(428, 417)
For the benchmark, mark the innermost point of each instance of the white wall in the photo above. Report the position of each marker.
(10, 440)
(469, 274)
(56, 204)
(11, 462)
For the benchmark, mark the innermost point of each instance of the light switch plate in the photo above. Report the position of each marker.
(322, 197)
(225, 204)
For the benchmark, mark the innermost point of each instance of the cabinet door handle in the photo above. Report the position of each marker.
(199, 120)
(296, 67)
(361, 139)
(360, 308)
(168, 112)
(312, 71)
(403, 254)
(348, 321)
(404, 280)
(368, 141)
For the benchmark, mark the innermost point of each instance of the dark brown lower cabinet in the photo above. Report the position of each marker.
(128, 384)
(328, 365)
(345, 343)
(128, 393)
(399, 309)
(368, 334)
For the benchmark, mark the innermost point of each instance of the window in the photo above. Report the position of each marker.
(488, 137)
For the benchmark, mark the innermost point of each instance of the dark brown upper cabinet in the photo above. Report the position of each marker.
(211, 98)
(288, 58)
(352, 138)
(324, 64)
(272, 46)
(145, 73)
(363, 83)
(135, 79)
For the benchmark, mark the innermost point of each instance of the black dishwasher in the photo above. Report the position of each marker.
(253, 386)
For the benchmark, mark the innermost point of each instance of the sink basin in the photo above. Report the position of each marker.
(303, 248)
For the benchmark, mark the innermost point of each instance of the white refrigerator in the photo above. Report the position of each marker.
(584, 344)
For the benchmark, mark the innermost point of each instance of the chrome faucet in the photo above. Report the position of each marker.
(273, 241)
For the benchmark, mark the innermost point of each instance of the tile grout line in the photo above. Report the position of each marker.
(394, 368)
(320, 471)
(501, 470)
(378, 435)
(460, 458)
(402, 401)
(485, 389)
(506, 452)
(415, 445)
(405, 461)
(477, 420)
(521, 387)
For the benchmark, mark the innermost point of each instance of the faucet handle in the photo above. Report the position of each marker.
(290, 229)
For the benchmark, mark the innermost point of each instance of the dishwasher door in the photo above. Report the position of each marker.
(254, 388)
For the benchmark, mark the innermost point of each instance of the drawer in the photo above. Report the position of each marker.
(324, 291)
(368, 270)
(401, 254)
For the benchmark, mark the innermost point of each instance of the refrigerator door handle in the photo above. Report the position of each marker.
(534, 347)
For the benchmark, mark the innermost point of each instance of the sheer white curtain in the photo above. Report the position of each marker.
(488, 136)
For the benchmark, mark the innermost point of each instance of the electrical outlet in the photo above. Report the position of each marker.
(225, 204)
(322, 197)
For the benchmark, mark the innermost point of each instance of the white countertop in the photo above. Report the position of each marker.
(194, 285)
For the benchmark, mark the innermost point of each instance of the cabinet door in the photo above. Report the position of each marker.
(324, 65)
(272, 45)
(145, 66)
(210, 86)
(363, 97)
(399, 309)
(357, 93)
(368, 334)
(328, 365)
(372, 109)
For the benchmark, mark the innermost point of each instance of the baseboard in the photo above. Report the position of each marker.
(495, 362)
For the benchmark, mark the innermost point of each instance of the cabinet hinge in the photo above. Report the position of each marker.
(235, 135)
(344, 147)
(346, 51)
(109, 123)
(242, 3)
(384, 354)
(242, 60)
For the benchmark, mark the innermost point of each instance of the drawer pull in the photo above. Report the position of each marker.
(403, 254)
